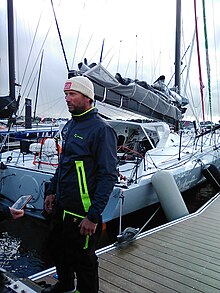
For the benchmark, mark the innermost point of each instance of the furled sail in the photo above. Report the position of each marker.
(137, 97)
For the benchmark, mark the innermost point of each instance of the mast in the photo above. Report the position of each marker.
(38, 85)
(11, 50)
(177, 48)
(8, 104)
(135, 77)
(201, 86)
(207, 59)
(102, 49)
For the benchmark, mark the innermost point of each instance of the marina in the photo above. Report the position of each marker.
(156, 237)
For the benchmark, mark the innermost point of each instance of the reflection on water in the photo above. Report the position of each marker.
(15, 258)
(9, 247)
(23, 248)
(195, 198)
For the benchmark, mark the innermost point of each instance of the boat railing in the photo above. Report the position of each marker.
(4, 141)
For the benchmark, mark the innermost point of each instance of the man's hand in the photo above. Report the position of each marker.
(48, 203)
(16, 213)
(87, 227)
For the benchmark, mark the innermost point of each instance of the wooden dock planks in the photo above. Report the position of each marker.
(183, 257)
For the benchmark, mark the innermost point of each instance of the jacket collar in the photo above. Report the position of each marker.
(85, 115)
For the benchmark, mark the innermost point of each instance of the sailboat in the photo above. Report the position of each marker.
(144, 147)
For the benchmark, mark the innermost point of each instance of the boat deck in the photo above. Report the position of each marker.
(181, 256)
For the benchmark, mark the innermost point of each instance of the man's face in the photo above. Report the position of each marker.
(77, 103)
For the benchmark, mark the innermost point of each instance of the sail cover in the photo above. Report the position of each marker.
(131, 97)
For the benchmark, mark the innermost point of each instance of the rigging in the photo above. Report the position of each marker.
(61, 41)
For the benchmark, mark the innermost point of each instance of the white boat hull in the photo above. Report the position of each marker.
(21, 176)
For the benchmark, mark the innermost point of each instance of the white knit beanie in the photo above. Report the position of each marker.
(80, 84)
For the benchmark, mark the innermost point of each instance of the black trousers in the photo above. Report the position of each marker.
(74, 254)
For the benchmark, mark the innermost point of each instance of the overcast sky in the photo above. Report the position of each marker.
(141, 30)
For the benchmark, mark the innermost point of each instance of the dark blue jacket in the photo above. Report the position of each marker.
(5, 213)
(87, 166)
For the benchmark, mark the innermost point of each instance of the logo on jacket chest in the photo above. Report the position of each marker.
(78, 136)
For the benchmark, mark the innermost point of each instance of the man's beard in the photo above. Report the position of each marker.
(77, 111)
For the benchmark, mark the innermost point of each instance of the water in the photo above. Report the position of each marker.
(23, 249)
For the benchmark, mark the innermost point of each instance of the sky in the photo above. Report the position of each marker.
(139, 41)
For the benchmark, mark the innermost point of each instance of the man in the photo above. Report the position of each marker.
(79, 190)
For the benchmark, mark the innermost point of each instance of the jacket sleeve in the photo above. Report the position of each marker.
(5, 213)
(105, 156)
(51, 189)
